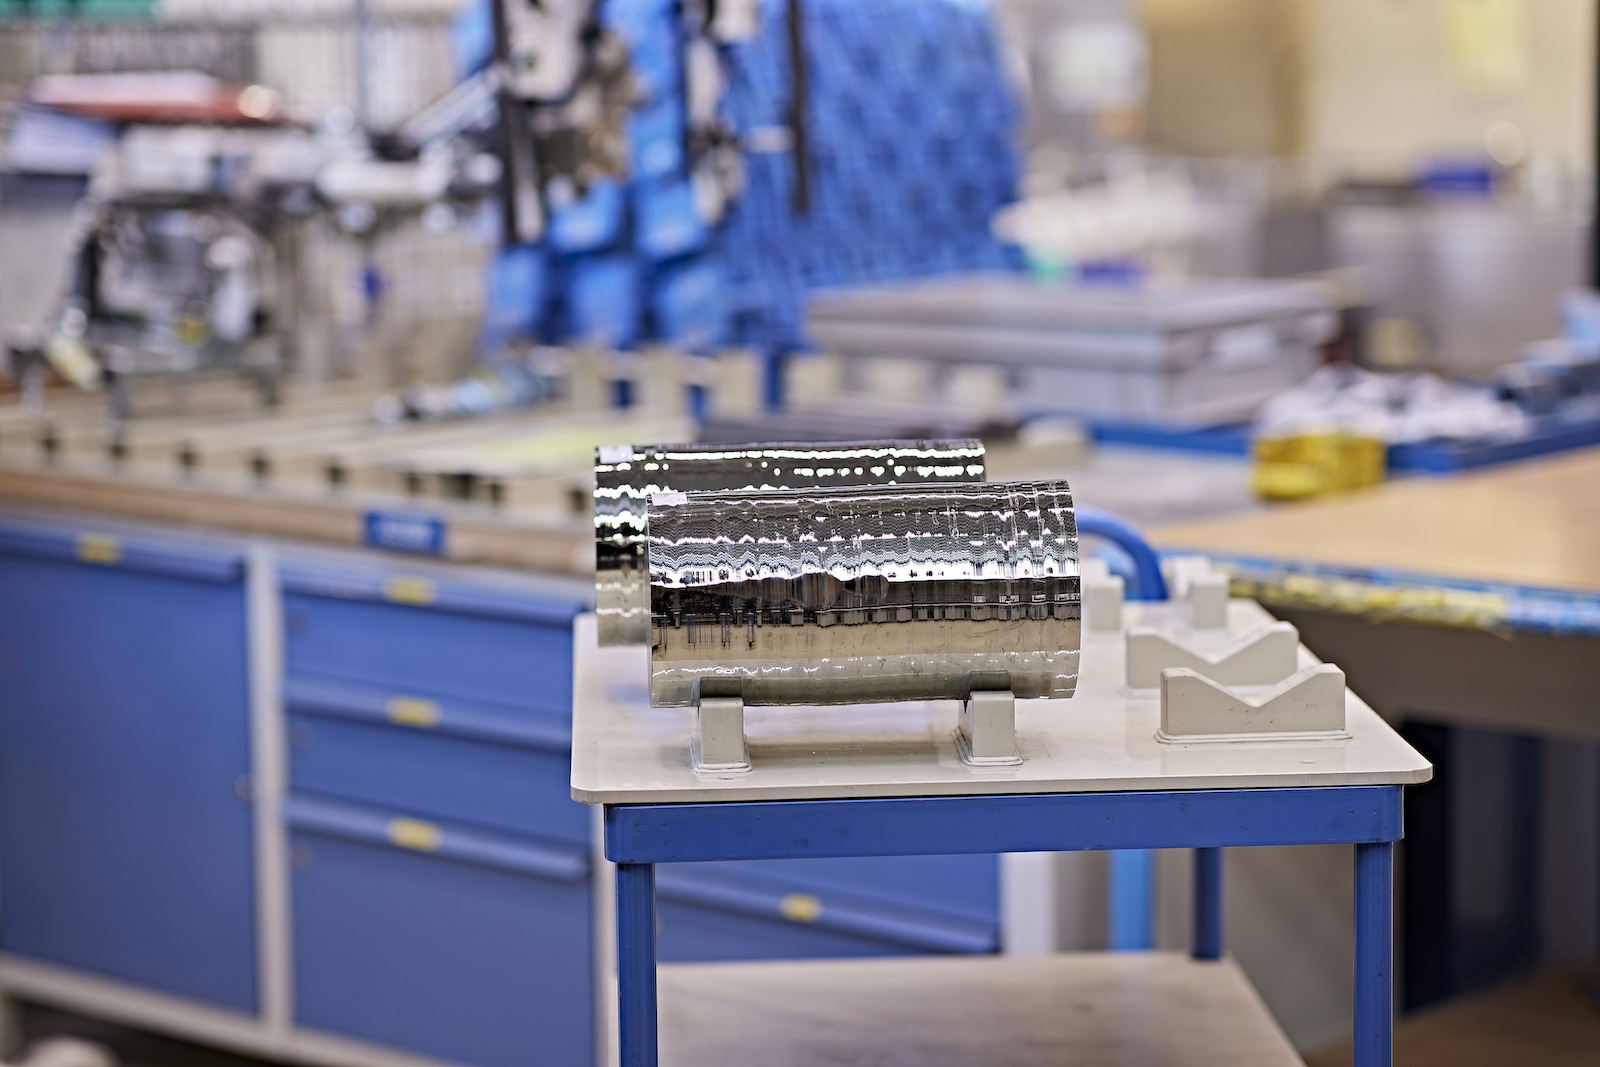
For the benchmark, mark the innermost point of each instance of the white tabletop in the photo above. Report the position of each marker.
(1107, 1009)
(1102, 740)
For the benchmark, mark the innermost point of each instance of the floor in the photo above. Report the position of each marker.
(1552, 1020)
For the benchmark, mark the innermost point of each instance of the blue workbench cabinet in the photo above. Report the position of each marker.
(464, 946)
(125, 825)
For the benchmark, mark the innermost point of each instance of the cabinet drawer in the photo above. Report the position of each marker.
(721, 912)
(458, 945)
(405, 633)
(434, 759)
(963, 888)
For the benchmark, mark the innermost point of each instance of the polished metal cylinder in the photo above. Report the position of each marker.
(626, 476)
(873, 593)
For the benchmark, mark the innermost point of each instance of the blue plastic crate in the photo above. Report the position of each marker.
(591, 222)
(669, 223)
(603, 301)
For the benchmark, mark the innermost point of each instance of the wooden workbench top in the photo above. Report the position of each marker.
(1535, 523)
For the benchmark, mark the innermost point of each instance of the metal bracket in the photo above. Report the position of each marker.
(1304, 707)
(1265, 657)
(718, 745)
(986, 734)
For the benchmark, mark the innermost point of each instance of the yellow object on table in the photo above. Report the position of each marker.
(1310, 465)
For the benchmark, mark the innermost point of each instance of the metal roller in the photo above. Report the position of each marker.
(873, 593)
(626, 476)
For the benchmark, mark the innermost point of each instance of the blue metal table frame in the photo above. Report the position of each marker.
(638, 836)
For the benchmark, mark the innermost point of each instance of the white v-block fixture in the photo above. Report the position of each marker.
(718, 745)
(1307, 706)
(1205, 589)
(1102, 596)
(1264, 657)
(986, 732)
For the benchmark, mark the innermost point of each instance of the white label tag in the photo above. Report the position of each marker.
(669, 500)
(616, 453)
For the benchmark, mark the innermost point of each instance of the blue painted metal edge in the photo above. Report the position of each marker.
(1045, 822)
(1438, 456)
(1414, 597)
(1231, 440)
(543, 731)
(1447, 456)
(364, 825)
(426, 591)
(892, 923)
(92, 547)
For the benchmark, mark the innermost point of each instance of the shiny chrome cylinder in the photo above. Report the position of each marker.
(874, 593)
(626, 476)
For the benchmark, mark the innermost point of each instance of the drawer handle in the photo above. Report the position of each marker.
(800, 907)
(100, 548)
(401, 589)
(412, 711)
(415, 834)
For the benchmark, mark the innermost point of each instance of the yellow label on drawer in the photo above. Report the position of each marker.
(800, 907)
(99, 548)
(403, 590)
(413, 711)
(414, 833)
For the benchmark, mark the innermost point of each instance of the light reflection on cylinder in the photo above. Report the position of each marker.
(627, 476)
(864, 594)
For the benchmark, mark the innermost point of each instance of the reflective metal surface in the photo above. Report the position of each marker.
(873, 593)
(626, 476)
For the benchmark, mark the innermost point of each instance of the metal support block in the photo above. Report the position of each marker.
(1102, 597)
(1308, 705)
(1265, 657)
(1193, 580)
(987, 733)
(1208, 597)
(719, 745)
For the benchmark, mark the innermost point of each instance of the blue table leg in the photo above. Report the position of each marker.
(1374, 954)
(1132, 919)
(1207, 904)
(636, 963)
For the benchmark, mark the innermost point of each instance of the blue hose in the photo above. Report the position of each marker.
(1148, 583)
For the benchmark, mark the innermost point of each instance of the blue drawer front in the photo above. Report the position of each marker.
(474, 954)
(434, 774)
(687, 933)
(411, 634)
(963, 888)
(428, 651)
(125, 848)
(723, 912)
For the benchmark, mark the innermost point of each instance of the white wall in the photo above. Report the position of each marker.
(1385, 88)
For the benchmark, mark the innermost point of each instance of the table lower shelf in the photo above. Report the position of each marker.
(1153, 1009)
